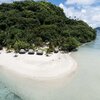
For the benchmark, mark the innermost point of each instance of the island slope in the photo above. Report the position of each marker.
(25, 23)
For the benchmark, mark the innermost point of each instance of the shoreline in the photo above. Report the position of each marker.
(26, 74)
(39, 67)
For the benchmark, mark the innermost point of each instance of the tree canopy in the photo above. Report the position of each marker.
(23, 23)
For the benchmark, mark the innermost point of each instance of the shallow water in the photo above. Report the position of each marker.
(84, 86)
(5, 94)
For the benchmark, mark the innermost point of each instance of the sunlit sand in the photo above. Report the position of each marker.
(39, 66)
(26, 74)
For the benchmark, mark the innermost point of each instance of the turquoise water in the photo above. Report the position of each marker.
(84, 86)
(5, 94)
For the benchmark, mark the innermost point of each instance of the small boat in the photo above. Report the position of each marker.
(15, 55)
(47, 55)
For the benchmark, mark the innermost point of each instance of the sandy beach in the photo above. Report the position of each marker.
(38, 67)
(31, 75)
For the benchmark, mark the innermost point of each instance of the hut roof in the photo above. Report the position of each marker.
(31, 51)
(39, 52)
(56, 50)
(22, 51)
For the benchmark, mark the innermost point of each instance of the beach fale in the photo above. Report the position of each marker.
(22, 51)
(31, 51)
(39, 52)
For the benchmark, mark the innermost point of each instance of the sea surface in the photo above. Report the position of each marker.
(85, 85)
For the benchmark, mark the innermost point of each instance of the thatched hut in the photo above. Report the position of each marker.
(56, 50)
(22, 51)
(39, 52)
(31, 51)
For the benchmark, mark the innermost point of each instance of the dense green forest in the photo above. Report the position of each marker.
(25, 23)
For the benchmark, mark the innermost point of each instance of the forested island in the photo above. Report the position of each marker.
(30, 24)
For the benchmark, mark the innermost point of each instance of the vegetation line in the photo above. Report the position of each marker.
(30, 24)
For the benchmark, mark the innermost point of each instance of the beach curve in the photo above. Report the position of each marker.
(39, 67)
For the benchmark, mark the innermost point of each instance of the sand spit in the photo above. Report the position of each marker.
(34, 77)
(39, 67)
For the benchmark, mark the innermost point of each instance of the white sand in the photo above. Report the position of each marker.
(39, 67)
